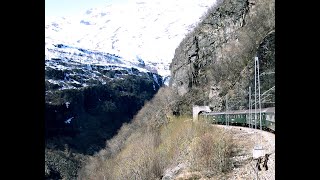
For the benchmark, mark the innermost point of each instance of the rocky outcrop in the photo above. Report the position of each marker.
(217, 58)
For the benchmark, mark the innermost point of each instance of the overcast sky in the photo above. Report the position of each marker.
(73, 7)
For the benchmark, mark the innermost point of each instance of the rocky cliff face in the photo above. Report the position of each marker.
(217, 58)
(89, 94)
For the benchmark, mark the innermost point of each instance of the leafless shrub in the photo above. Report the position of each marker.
(139, 159)
(211, 151)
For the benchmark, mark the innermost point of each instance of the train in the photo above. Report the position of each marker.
(242, 118)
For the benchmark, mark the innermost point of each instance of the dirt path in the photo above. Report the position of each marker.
(244, 165)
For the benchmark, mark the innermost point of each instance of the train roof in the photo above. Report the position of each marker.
(246, 111)
(270, 109)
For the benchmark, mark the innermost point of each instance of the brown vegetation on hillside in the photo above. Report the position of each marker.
(155, 141)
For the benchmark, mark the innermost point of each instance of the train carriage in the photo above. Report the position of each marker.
(270, 122)
(237, 117)
(241, 117)
(214, 117)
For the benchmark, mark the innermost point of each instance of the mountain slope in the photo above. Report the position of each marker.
(212, 62)
(71, 67)
(216, 60)
(148, 30)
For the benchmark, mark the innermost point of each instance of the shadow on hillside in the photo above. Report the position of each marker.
(85, 134)
(90, 118)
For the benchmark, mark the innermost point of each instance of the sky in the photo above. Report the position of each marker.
(61, 8)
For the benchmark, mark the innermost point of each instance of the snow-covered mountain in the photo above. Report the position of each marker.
(70, 67)
(138, 31)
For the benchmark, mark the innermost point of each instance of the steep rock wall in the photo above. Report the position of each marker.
(217, 58)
